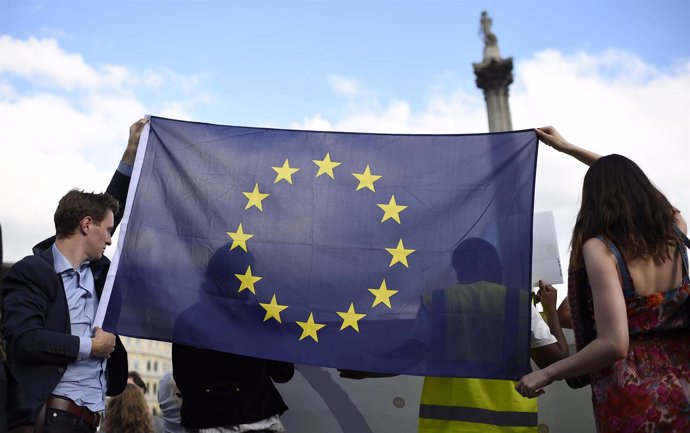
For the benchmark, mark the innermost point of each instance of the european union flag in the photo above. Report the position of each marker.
(386, 253)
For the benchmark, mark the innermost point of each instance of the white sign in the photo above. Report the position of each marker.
(546, 262)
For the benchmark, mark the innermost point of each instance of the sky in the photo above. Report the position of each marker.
(612, 76)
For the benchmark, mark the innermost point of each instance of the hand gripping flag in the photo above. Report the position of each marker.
(385, 253)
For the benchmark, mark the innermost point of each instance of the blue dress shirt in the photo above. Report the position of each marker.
(84, 381)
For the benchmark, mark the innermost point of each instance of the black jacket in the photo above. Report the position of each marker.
(221, 389)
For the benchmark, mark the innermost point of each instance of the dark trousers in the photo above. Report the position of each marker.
(57, 421)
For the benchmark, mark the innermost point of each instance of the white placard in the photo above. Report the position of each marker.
(546, 262)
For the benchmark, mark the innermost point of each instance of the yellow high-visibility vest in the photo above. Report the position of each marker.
(455, 405)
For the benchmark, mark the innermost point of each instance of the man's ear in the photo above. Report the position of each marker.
(85, 225)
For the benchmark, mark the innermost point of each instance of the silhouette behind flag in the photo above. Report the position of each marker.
(334, 239)
(477, 312)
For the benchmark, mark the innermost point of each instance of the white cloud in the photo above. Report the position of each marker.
(635, 110)
(344, 86)
(64, 124)
(43, 61)
(313, 123)
(447, 114)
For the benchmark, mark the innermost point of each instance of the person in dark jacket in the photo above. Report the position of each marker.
(65, 365)
(225, 392)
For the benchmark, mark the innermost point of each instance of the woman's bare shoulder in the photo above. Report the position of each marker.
(594, 245)
(597, 255)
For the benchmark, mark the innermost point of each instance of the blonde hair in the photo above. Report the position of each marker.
(128, 412)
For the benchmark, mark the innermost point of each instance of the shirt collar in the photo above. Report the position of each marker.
(61, 264)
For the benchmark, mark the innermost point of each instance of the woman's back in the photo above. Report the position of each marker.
(646, 390)
(649, 277)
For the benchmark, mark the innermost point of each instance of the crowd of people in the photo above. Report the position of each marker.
(628, 303)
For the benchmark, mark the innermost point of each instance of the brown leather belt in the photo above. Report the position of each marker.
(60, 403)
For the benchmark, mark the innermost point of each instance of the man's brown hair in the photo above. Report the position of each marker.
(76, 205)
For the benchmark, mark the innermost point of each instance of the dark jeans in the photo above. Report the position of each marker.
(58, 421)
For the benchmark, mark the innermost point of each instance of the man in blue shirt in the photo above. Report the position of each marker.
(64, 364)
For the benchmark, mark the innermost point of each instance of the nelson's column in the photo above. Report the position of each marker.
(494, 75)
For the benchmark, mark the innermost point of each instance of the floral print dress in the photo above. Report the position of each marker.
(649, 390)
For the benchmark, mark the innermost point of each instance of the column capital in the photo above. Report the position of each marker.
(494, 74)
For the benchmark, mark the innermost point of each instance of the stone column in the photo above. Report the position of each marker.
(494, 75)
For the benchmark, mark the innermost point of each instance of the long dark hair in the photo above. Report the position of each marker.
(621, 204)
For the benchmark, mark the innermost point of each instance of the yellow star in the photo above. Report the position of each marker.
(309, 328)
(391, 210)
(399, 254)
(383, 295)
(366, 179)
(285, 172)
(273, 309)
(254, 198)
(350, 318)
(326, 166)
(247, 280)
(239, 238)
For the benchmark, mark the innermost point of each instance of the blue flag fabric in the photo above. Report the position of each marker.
(384, 253)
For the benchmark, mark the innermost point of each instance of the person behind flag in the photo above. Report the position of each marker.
(65, 365)
(474, 404)
(629, 294)
(224, 392)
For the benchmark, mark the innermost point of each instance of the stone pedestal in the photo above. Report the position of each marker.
(493, 77)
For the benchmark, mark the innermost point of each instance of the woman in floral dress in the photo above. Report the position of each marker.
(630, 300)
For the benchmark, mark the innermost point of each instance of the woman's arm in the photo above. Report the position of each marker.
(549, 136)
(610, 314)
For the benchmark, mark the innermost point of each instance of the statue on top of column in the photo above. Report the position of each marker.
(491, 51)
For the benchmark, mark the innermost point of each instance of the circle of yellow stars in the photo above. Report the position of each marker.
(391, 212)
